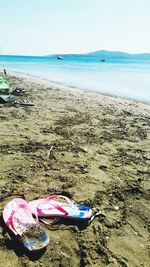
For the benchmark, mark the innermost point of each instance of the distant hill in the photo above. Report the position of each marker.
(105, 54)
(118, 55)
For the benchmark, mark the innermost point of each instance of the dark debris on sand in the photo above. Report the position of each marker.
(92, 153)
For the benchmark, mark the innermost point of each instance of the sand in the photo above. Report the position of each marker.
(90, 147)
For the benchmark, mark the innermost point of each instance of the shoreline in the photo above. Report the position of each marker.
(99, 157)
(130, 105)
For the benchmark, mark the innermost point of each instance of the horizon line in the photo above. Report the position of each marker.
(84, 53)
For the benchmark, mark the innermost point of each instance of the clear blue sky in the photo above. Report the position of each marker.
(40, 27)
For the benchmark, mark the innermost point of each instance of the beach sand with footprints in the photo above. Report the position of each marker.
(93, 148)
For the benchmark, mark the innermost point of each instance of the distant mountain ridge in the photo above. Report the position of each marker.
(105, 54)
(118, 55)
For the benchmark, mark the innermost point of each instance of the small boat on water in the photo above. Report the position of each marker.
(60, 57)
(103, 60)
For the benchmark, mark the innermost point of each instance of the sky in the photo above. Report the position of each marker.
(42, 27)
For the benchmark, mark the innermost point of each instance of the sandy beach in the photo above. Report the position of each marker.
(100, 156)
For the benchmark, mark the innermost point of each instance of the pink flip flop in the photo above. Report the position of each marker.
(49, 207)
(24, 224)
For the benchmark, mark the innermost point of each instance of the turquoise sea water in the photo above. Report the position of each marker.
(124, 78)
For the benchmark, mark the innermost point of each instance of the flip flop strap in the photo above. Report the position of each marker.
(69, 202)
(10, 221)
(55, 204)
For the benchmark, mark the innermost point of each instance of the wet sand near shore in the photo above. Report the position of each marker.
(94, 149)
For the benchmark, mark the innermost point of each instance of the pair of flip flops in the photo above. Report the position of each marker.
(22, 218)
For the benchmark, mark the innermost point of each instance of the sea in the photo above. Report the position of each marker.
(124, 78)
